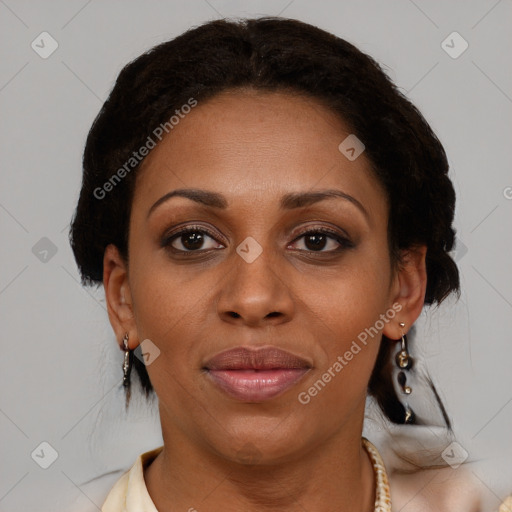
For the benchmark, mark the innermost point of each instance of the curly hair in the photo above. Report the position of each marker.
(273, 54)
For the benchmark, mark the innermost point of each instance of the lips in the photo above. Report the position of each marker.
(255, 375)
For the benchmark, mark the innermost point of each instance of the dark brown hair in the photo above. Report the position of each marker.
(273, 54)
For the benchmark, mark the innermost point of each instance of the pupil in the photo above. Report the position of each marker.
(192, 240)
(195, 240)
(316, 241)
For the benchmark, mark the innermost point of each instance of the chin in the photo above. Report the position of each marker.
(261, 440)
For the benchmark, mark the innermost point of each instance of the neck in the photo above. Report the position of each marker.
(336, 475)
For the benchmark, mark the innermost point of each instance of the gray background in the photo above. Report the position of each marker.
(60, 365)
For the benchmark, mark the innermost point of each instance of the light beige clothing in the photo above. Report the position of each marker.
(445, 490)
(130, 493)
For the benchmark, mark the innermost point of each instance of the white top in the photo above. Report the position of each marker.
(450, 490)
(130, 493)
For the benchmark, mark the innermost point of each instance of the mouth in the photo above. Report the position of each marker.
(255, 375)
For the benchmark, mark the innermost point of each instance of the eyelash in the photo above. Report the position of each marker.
(343, 241)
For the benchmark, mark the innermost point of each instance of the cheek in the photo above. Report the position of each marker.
(167, 311)
(351, 296)
(164, 297)
(345, 309)
(348, 340)
(339, 390)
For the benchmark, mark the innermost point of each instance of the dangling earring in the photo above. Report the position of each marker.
(127, 367)
(127, 363)
(404, 362)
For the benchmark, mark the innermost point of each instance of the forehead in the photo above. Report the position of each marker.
(250, 144)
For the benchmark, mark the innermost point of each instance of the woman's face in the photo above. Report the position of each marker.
(247, 276)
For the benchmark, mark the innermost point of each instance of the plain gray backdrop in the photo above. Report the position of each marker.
(60, 364)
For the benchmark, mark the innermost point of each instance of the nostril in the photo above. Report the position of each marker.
(234, 314)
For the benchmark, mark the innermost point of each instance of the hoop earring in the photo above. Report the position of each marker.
(404, 361)
(127, 363)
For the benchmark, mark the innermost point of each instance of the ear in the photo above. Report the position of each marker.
(408, 290)
(118, 296)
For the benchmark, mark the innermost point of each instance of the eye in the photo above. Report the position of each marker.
(191, 239)
(197, 239)
(316, 240)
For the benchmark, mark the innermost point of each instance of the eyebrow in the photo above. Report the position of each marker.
(288, 201)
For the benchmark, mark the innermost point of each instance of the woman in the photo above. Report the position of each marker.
(268, 216)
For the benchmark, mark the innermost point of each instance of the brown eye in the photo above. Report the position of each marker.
(319, 239)
(191, 240)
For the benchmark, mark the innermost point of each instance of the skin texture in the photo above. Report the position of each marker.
(255, 147)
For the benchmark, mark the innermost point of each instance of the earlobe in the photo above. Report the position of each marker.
(410, 289)
(117, 294)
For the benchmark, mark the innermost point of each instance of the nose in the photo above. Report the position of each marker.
(256, 294)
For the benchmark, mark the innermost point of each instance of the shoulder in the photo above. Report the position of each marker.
(119, 489)
(116, 498)
(444, 490)
(421, 480)
(506, 506)
(439, 490)
(130, 493)
(93, 492)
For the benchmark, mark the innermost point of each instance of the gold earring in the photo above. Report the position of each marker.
(404, 362)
